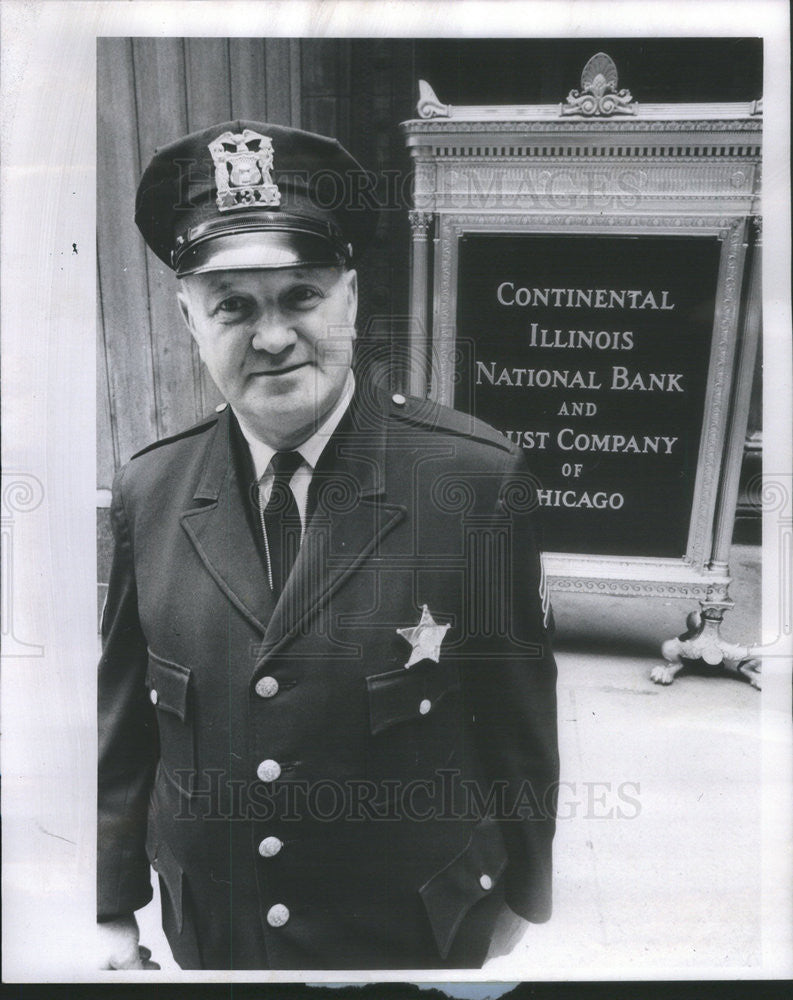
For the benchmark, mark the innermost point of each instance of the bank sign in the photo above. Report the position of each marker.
(591, 353)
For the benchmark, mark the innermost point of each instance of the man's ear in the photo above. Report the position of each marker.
(183, 298)
(351, 279)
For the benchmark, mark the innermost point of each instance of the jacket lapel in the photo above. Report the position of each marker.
(351, 518)
(220, 527)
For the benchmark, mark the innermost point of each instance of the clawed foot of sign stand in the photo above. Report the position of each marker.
(702, 641)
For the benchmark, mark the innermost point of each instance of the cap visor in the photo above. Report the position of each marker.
(257, 251)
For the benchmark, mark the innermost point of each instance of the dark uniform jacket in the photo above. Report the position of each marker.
(394, 801)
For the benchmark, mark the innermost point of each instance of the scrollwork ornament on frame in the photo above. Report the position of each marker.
(599, 96)
(428, 104)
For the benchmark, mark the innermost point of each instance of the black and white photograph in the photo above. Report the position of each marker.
(396, 493)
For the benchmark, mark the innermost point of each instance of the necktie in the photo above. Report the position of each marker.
(281, 519)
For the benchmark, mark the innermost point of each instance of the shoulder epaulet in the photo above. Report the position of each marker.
(199, 428)
(436, 417)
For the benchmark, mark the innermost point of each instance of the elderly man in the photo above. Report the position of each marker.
(327, 696)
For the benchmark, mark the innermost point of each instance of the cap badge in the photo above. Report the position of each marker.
(242, 170)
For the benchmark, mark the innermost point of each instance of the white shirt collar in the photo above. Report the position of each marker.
(311, 449)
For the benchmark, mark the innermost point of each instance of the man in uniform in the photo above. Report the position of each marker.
(327, 696)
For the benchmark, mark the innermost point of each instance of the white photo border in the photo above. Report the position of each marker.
(48, 306)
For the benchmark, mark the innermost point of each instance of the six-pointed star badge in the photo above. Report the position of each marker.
(425, 638)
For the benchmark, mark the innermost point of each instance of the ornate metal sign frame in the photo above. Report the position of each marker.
(602, 167)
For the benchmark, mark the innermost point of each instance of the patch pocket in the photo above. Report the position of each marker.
(467, 878)
(405, 695)
(170, 692)
(177, 914)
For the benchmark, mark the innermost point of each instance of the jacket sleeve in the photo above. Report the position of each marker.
(127, 736)
(511, 693)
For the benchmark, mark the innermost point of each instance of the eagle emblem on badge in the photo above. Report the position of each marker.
(242, 170)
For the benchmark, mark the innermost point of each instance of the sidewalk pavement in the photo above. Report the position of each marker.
(657, 858)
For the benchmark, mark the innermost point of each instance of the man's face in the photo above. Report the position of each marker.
(278, 343)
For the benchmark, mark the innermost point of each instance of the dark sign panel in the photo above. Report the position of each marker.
(591, 353)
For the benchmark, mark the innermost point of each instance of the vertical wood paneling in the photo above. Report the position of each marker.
(105, 450)
(295, 73)
(320, 70)
(207, 77)
(382, 85)
(160, 89)
(320, 114)
(324, 84)
(160, 92)
(122, 263)
(282, 81)
(152, 90)
(248, 79)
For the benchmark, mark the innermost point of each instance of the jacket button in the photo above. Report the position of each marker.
(425, 706)
(270, 846)
(153, 696)
(277, 915)
(268, 770)
(399, 399)
(486, 882)
(266, 687)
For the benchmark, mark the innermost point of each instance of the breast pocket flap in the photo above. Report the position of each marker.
(405, 694)
(169, 685)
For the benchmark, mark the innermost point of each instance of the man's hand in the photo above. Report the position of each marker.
(119, 945)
